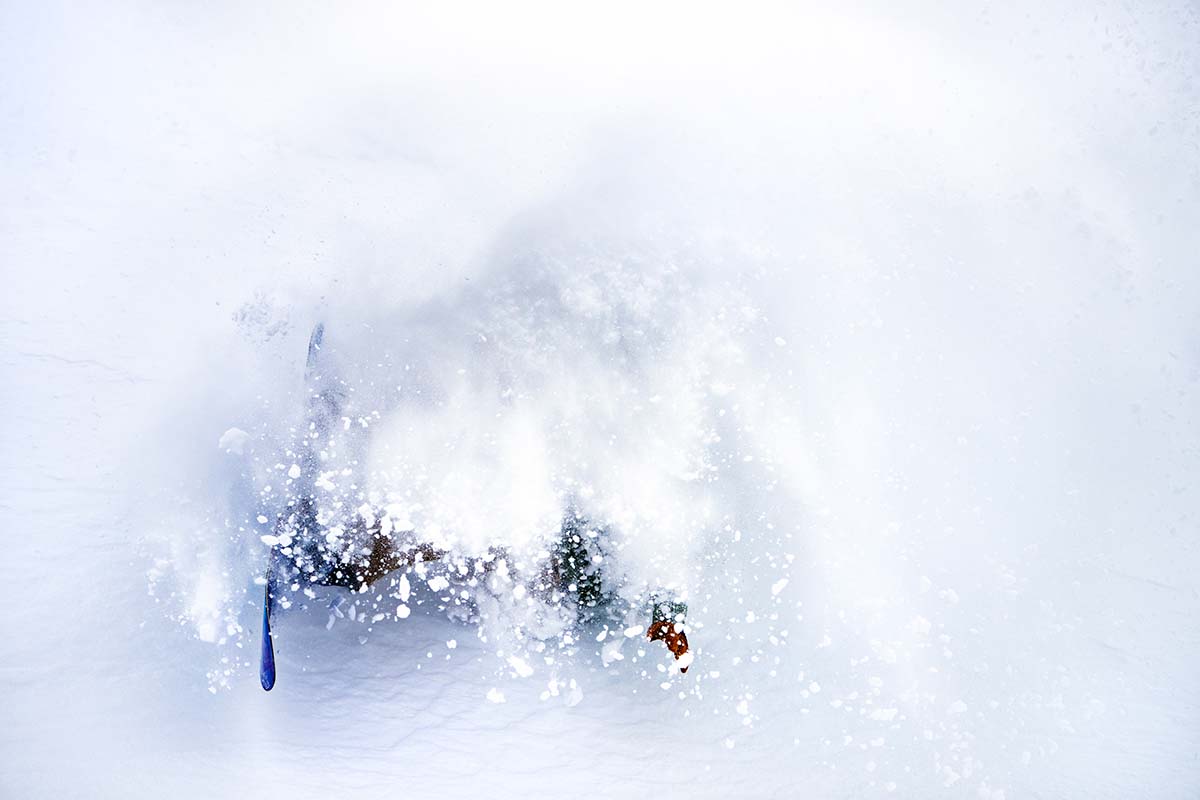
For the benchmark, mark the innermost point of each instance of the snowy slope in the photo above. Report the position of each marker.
(874, 333)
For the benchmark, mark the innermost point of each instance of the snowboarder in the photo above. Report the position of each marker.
(359, 554)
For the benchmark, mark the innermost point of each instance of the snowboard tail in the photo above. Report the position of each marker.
(266, 665)
(321, 407)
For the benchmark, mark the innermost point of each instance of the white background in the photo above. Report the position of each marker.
(969, 244)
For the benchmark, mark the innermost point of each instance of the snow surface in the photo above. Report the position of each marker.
(874, 331)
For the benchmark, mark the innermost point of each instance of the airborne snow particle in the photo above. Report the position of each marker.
(520, 666)
(233, 441)
(612, 651)
(495, 695)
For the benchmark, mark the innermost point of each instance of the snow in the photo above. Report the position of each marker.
(874, 332)
(519, 666)
(233, 441)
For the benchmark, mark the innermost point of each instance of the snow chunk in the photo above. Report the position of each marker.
(495, 695)
(294, 471)
(438, 583)
(520, 666)
(233, 441)
(402, 611)
(612, 651)
(778, 586)
(405, 588)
